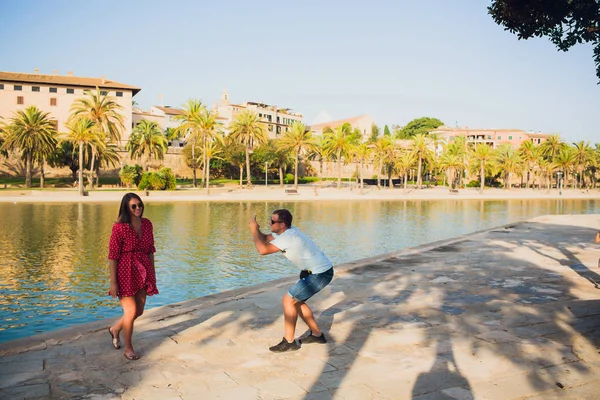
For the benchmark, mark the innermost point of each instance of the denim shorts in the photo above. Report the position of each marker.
(307, 287)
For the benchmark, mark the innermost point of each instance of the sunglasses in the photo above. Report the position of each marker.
(275, 222)
(135, 206)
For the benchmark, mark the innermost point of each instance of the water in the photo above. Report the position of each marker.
(54, 269)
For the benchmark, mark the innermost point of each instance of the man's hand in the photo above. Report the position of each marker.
(254, 226)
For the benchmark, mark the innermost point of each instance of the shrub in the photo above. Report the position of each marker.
(288, 178)
(161, 180)
(169, 178)
(131, 175)
(474, 184)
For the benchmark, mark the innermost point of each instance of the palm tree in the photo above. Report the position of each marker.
(482, 154)
(298, 140)
(147, 139)
(583, 155)
(208, 125)
(404, 162)
(190, 129)
(320, 154)
(420, 147)
(212, 150)
(103, 111)
(363, 154)
(248, 130)
(383, 150)
(507, 159)
(31, 131)
(528, 152)
(339, 142)
(451, 163)
(552, 146)
(108, 156)
(82, 133)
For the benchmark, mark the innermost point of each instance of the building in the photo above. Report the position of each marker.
(362, 123)
(56, 93)
(277, 120)
(492, 137)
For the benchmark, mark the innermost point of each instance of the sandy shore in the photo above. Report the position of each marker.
(277, 193)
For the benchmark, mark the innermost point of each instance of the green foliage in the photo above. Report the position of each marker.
(308, 179)
(386, 131)
(565, 22)
(474, 184)
(288, 178)
(419, 126)
(161, 180)
(131, 175)
(374, 133)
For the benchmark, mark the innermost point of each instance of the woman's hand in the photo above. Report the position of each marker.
(114, 290)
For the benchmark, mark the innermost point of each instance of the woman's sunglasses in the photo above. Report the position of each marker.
(134, 206)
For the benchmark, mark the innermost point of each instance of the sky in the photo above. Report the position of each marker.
(327, 59)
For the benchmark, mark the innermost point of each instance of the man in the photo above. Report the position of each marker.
(317, 272)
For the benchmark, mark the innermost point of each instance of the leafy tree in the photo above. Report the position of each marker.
(508, 160)
(65, 155)
(31, 132)
(362, 154)
(374, 133)
(130, 175)
(299, 139)
(419, 126)
(420, 148)
(383, 155)
(146, 140)
(403, 164)
(386, 131)
(247, 129)
(565, 22)
(482, 154)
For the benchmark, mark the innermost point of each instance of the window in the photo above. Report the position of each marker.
(52, 101)
(499, 137)
(18, 87)
(490, 137)
(53, 90)
(1, 86)
(20, 100)
(103, 92)
(119, 94)
(70, 91)
(35, 88)
(510, 138)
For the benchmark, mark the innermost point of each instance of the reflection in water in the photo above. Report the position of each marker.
(54, 271)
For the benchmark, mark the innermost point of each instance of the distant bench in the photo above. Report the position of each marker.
(453, 191)
(291, 191)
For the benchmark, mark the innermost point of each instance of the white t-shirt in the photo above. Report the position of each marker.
(300, 250)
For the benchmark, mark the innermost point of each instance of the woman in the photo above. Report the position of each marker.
(132, 276)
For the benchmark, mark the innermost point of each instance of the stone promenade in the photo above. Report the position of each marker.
(509, 313)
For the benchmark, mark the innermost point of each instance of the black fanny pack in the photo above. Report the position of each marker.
(304, 273)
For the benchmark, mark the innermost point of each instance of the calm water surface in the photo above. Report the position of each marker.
(54, 270)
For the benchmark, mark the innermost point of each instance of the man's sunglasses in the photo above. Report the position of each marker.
(275, 222)
(134, 206)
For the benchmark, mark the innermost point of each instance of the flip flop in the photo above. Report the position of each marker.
(131, 356)
(115, 340)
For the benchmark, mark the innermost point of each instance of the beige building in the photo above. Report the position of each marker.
(56, 93)
(493, 137)
(362, 123)
(277, 120)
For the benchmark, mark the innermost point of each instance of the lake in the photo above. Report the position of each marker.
(54, 268)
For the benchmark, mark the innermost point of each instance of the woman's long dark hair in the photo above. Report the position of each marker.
(124, 211)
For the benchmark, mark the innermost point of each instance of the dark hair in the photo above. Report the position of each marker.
(124, 211)
(285, 216)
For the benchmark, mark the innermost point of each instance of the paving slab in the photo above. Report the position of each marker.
(512, 312)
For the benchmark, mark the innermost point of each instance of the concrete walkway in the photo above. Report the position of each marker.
(509, 313)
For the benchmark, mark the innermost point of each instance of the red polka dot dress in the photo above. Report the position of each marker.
(134, 270)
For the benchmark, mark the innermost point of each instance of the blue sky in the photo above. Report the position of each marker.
(394, 60)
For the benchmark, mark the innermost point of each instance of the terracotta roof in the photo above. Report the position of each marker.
(170, 110)
(335, 124)
(65, 81)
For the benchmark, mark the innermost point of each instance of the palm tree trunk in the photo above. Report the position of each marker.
(81, 168)
(207, 175)
(405, 180)
(42, 173)
(280, 176)
(194, 163)
(248, 177)
(419, 182)
(339, 161)
(92, 168)
(362, 184)
(28, 170)
(241, 174)
(296, 171)
(482, 177)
